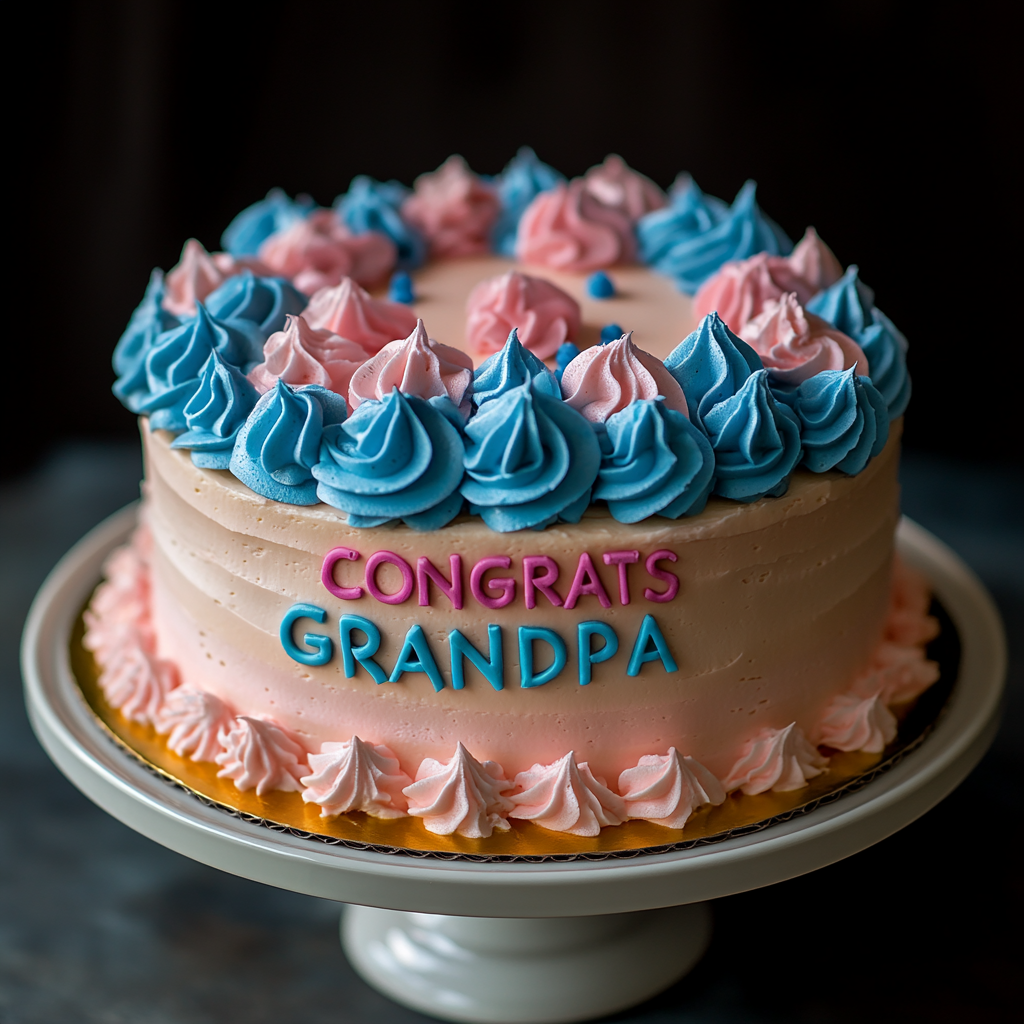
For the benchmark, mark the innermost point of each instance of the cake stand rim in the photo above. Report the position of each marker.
(140, 799)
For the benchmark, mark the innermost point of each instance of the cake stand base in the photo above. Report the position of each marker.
(524, 970)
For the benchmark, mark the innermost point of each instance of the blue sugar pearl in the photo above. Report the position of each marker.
(599, 286)
(400, 289)
(611, 332)
(566, 353)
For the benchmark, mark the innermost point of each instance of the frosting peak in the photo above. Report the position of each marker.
(301, 355)
(192, 279)
(370, 205)
(463, 795)
(566, 797)
(795, 345)
(604, 379)
(617, 185)
(524, 178)
(667, 789)
(259, 754)
(196, 720)
(416, 366)
(348, 311)
(545, 316)
(568, 228)
(453, 209)
(510, 368)
(776, 759)
(356, 776)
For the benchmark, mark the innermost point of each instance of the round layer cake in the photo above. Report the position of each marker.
(631, 557)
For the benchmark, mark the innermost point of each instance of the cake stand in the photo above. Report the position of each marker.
(514, 941)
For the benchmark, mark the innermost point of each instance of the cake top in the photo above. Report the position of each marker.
(417, 354)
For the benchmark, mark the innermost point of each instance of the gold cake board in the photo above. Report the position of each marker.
(738, 815)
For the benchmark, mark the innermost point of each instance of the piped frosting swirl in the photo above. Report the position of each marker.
(356, 776)
(260, 754)
(196, 721)
(523, 179)
(348, 311)
(510, 368)
(667, 789)
(775, 759)
(256, 223)
(618, 186)
(371, 205)
(851, 722)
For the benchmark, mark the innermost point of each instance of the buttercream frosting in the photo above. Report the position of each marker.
(416, 366)
(844, 421)
(908, 621)
(196, 721)
(852, 722)
(147, 323)
(510, 368)
(356, 776)
(279, 444)
(530, 460)
(568, 228)
(522, 180)
(667, 789)
(453, 209)
(740, 290)
(566, 797)
(349, 311)
(192, 278)
(120, 608)
(215, 413)
(617, 185)
(898, 673)
(795, 345)
(246, 301)
(849, 305)
(300, 354)
(371, 205)
(604, 379)
(545, 316)
(776, 759)
(136, 681)
(318, 251)
(396, 458)
(259, 754)
(691, 239)
(656, 463)
(256, 223)
(461, 795)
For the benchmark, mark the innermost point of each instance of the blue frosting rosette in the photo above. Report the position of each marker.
(370, 205)
(656, 462)
(256, 223)
(398, 458)
(524, 178)
(689, 240)
(711, 365)
(510, 368)
(174, 365)
(844, 421)
(279, 443)
(216, 413)
(531, 460)
(256, 306)
(147, 323)
(849, 304)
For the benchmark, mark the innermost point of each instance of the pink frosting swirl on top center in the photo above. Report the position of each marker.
(606, 378)
(569, 228)
(544, 315)
(349, 312)
(454, 209)
(617, 185)
(795, 344)
(416, 366)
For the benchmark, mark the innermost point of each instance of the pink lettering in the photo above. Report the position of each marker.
(377, 559)
(586, 581)
(622, 560)
(332, 558)
(427, 571)
(670, 578)
(477, 583)
(545, 583)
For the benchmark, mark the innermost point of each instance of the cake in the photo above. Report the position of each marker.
(517, 498)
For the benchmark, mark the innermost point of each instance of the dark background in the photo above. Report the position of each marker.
(890, 127)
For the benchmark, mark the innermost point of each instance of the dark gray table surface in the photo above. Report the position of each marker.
(100, 925)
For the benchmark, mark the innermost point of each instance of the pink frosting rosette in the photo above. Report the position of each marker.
(416, 366)
(795, 344)
(617, 185)
(318, 251)
(198, 273)
(606, 378)
(544, 315)
(349, 312)
(741, 289)
(259, 753)
(453, 209)
(299, 354)
(569, 228)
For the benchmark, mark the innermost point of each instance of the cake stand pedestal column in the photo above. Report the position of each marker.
(527, 969)
(512, 941)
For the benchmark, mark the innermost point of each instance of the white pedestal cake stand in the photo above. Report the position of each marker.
(546, 941)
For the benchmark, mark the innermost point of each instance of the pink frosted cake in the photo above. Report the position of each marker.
(514, 498)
